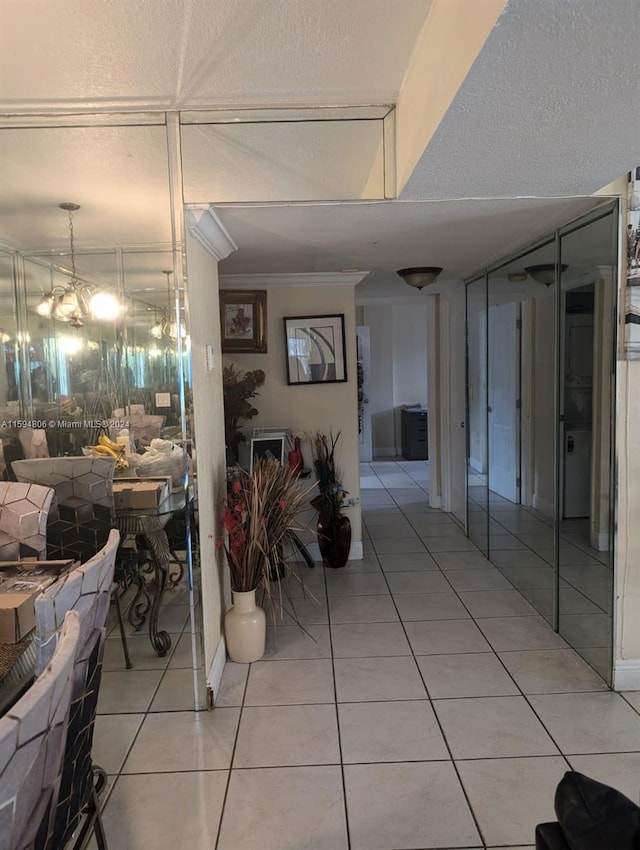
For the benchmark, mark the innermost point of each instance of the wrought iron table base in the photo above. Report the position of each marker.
(151, 529)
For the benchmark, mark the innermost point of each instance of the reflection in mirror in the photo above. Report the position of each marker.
(521, 426)
(283, 161)
(477, 463)
(585, 501)
(9, 343)
(104, 366)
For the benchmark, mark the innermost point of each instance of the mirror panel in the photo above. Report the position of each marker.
(9, 343)
(71, 376)
(314, 160)
(522, 538)
(585, 426)
(477, 449)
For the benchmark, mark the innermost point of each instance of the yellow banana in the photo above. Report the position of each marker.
(103, 440)
(104, 450)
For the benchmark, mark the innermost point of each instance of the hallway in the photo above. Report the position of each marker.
(433, 709)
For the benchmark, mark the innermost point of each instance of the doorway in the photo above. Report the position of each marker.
(541, 335)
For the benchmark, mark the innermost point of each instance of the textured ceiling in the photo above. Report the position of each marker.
(178, 53)
(383, 237)
(551, 106)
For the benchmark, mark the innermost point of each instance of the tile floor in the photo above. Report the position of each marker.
(429, 706)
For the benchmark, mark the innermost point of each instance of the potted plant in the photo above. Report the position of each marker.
(237, 388)
(334, 527)
(259, 516)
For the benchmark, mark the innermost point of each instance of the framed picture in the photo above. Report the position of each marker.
(316, 351)
(243, 319)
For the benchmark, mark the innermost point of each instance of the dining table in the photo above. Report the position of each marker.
(149, 526)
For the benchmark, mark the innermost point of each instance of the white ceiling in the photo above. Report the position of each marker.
(187, 53)
(386, 236)
(551, 108)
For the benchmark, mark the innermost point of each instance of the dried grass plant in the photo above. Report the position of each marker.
(261, 513)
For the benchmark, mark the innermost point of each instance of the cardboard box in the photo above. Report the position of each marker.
(17, 605)
(33, 567)
(144, 493)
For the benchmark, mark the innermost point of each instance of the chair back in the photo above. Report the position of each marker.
(82, 510)
(24, 509)
(32, 740)
(87, 591)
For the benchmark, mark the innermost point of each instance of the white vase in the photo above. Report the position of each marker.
(245, 628)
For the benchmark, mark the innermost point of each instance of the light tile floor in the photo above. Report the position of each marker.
(428, 707)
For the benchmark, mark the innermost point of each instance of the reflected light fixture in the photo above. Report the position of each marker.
(78, 300)
(4, 336)
(167, 328)
(545, 273)
(420, 276)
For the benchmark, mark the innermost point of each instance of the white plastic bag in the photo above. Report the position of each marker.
(163, 458)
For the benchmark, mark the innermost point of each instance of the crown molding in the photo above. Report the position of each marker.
(272, 281)
(205, 227)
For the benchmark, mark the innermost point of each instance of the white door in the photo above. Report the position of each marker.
(363, 344)
(504, 390)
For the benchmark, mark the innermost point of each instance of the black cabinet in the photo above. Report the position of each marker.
(414, 434)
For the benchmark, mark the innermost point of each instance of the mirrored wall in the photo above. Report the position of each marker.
(120, 354)
(541, 335)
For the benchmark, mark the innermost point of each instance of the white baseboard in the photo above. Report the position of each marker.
(389, 452)
(626, 675)
(543, 505)
(356, 552)
(600, 542)
(214, 677)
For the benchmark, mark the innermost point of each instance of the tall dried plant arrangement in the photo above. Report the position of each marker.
(259, 516)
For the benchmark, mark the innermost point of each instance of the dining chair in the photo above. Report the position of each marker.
(82, 513)
(32, 741)
(82, 509)
(24, 509)
(87, 591)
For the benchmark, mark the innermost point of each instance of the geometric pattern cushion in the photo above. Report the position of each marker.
(87, 591)
(32, 740)
(82, 510)
(23, 520)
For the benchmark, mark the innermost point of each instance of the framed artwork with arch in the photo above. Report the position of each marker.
(315, 349)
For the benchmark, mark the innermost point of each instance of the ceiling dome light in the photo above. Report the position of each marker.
(545, 273)
(517, 277)
(420, 276)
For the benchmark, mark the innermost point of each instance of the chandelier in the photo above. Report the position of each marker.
(78, 300)
(167, 327)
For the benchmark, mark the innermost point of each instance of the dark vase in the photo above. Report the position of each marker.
(334, 539)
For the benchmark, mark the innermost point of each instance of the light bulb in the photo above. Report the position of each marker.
(70, 344)
(44, 307)
(67, 305)
(104, 306)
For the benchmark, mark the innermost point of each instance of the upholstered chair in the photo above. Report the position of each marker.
(24, 510)
(82, 510)
(32, 742)
(87, 591)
